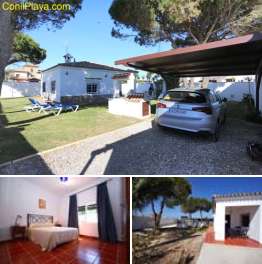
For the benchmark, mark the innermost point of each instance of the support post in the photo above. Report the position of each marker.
(258, 84)
(219, 222)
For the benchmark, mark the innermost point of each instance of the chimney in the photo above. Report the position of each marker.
(68, 58)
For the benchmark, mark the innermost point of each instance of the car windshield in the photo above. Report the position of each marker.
(185, 97)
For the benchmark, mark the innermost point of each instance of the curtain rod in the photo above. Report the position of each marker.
(93, 186)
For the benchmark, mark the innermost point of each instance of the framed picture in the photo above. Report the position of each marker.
(42, 204)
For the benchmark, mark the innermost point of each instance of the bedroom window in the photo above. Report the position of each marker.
(87, 213)
(92, 88)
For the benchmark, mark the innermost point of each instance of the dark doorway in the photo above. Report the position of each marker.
(245, 220)
(228, 224)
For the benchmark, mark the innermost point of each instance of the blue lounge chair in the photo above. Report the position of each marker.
(50, 107)
(35, 105)
(66, 107)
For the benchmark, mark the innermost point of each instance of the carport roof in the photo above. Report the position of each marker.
(236, 56)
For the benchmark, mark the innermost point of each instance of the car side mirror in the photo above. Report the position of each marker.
(224, 100)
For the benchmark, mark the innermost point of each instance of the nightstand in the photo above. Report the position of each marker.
(18, 232)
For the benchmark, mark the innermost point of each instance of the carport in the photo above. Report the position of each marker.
(236, 56)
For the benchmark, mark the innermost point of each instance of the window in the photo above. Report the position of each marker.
(91, 88)
(53, 84)
(185, 97)
(87, 213)
(245, 220)
(43, 87)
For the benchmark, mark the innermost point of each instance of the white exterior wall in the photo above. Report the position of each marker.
(20, 197)
(47, 77)
(233, 91)
(219, 222)
(12, 89)
(236, 208)
(130, 85)
(120, 106)
(72, 81)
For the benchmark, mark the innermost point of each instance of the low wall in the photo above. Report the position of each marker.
(86, 99)
(142, 222)
(121, 106)
(12, 89)
(233, 91)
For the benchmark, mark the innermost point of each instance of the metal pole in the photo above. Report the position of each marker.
(258, 83)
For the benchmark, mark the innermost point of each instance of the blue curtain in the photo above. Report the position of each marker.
(73, 214)
(106, 223)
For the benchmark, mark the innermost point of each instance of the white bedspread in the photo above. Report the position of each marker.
(51, 236)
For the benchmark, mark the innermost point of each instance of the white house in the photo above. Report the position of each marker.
(84, 82)
(239, 212)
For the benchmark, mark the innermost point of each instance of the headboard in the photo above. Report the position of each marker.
(39, 219)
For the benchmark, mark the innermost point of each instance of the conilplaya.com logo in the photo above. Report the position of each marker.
(13, 6)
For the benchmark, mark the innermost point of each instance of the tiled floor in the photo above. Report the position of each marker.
(235, 241)
(83, 251)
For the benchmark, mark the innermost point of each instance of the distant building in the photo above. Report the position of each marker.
(27, 73)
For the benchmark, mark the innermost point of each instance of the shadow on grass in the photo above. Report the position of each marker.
(13, 112)
(28, 121)
(14, 144)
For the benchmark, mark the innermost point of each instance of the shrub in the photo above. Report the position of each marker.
(250, 109)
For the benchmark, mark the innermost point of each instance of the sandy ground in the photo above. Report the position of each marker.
(168, 247)
(191, 245)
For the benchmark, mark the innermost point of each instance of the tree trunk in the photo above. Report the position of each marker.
(157, 216)
(6, 41)
(157, 221)
(171, 81)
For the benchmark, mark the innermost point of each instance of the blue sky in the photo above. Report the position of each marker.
(208, 186)
(88, 37)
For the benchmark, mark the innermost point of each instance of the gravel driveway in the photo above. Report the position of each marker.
(145, 149)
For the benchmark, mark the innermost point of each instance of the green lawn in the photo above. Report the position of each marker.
(24, 133)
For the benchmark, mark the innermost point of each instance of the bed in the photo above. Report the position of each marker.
(41, 230)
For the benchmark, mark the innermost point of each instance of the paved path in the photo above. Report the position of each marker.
(222, 254)
(145, 149)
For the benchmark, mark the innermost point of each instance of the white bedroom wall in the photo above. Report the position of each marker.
(115, 193)
(19, 196)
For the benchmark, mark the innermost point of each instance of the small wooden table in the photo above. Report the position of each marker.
(18, 232)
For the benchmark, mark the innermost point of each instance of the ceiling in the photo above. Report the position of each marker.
(236, 56)
(53, 184)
